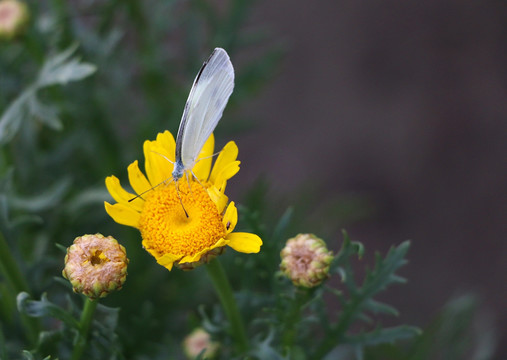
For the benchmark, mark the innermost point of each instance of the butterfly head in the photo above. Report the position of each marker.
(178, 171)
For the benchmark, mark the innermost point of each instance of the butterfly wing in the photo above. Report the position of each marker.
(208, 97)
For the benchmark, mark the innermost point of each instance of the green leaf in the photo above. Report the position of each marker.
(44, 308)
(44, 113)
(86, 198)
(378, 307)
(3, 347)
(61, 69)
(264, 349)
(360, 300)
(383, 335)
(13, 117)
(44, 201)
(383, 272)
(58, 69)
(27, 355)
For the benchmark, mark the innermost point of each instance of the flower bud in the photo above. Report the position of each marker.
(95, 265)
(13, 18)
(197, 341)
(305, 260)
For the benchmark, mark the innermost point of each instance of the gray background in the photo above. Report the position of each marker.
(403, 103)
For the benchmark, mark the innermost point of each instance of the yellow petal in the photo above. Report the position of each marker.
(230, 218)
(218, 197)
(167, 260)
(244, 242)
(197, 257)
(123, 214)
(121, 195)
(203, 165)
(166, 141)
(225, 174)
(228, 154)
(158, 159)
(137, 179)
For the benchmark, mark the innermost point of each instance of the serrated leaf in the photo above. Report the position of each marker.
(207, 323)
(383, 272)
(264, 349)
(61, 69)
(359, 249)
(365, 318)
(397, 279)
(44, 201)
(13, 117)
(44, 113)
(378, 307)
(343, 274)
(385, 335)
(73, 70)
(44, 308)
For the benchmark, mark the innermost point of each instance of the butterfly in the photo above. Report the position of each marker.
(206, 102)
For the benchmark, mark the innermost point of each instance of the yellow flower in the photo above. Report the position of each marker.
(160, 206)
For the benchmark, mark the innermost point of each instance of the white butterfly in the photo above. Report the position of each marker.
(206, 102)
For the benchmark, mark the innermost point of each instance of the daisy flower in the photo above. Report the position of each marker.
(185, 223)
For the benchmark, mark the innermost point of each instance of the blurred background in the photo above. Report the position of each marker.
(384, 118)
(402, 107)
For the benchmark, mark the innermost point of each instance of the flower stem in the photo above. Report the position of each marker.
(85, 322)
(223, 288)
(293, 316)
(10, 270)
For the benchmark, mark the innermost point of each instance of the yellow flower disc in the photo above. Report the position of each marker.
(165, 227)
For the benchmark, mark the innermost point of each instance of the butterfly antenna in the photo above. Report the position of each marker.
(144, 192)
(181, 201)
(207, 157)
(165, 157)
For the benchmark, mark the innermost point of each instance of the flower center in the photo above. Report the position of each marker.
(98, 257)
(165, 227)
(302, 258)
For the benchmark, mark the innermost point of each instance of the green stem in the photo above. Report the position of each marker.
(292, 319)
(336, 334)
(223, 288)
(85, 322)
(9, 268)
(3, 347)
